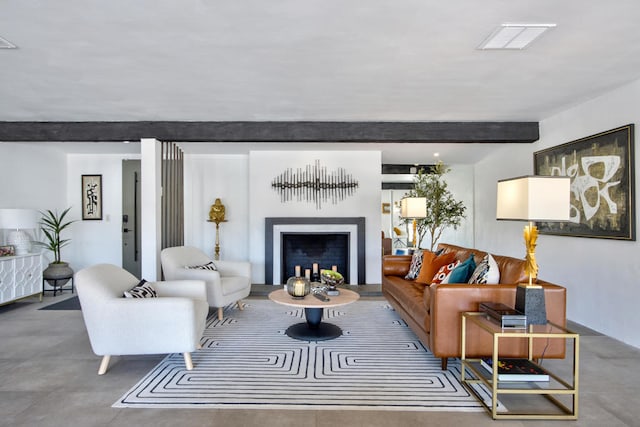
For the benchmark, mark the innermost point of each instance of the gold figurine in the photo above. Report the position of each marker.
(216, 214)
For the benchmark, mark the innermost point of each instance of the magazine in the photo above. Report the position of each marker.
(516, 370)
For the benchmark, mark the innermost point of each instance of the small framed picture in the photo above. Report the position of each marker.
(91, 197)
(7, 250)
(386, 208)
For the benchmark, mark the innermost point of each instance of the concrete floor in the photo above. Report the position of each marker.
(48, 378)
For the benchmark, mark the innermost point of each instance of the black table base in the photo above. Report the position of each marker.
(313, 329)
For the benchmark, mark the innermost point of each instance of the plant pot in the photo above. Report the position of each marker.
(57, 274)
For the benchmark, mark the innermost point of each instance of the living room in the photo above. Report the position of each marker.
(599, 274)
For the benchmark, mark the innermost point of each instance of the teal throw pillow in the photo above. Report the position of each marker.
(463, 272)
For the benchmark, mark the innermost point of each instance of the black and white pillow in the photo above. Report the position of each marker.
(141, 290)
(487, 272)
(208, 266)
(416, 265)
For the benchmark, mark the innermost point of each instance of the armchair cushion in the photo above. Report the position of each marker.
(208, 266)
(141, 290)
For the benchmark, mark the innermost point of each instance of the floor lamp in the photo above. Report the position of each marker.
(533, 198)
(413, 208)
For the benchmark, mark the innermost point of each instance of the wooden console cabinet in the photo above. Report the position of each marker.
(20, 277)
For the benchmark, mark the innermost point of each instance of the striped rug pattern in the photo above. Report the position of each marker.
(247, 361)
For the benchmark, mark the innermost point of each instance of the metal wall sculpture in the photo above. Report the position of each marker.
(314, 184)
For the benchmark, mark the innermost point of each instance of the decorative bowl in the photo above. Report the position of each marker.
(331, 278)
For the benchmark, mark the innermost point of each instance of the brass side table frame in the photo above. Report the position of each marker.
(556, 385)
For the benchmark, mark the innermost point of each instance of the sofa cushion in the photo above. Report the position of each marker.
(141, 290)
(208, 266)
(487, 272)
(416, 264)
(463, 272)
(431, 263)
(442, 276)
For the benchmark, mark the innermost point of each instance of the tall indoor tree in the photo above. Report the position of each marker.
(443, 210)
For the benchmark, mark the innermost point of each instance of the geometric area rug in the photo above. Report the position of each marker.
(247, 362)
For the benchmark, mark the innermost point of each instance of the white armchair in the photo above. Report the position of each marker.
(230, 283)
(171, 323)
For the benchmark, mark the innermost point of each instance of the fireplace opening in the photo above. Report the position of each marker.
(305, 249)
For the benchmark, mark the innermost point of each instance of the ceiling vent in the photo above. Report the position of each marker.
(514, 36)
(6, 44)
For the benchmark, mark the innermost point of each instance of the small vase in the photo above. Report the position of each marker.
(57, 274)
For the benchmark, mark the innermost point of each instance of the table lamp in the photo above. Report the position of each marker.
(413, 208)
(533, 198)
(18, 220)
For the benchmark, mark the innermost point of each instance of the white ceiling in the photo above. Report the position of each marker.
(344, 60)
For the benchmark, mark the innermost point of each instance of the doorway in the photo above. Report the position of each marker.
(131, 225)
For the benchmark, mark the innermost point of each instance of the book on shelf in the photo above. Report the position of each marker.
(516, 369)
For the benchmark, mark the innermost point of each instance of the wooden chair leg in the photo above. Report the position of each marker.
(444, 361)
(104, 365)
(187, 361)
(220, 313)
(240, 305)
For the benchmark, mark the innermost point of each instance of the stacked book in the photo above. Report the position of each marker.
(516, 370)
(506, 316)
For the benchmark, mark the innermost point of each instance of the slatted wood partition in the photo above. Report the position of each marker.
(172, 195)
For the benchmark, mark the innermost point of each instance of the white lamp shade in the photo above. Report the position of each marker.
(18, 219)
(413, 207)
(534, 198)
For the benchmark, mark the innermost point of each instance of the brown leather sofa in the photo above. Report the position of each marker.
(433, 312)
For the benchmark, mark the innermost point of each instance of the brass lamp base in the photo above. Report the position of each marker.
(530, 302)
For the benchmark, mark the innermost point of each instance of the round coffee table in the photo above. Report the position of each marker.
(314, 329)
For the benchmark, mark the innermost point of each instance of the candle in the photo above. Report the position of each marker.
(297, 271)
(298, 288)
(307, 274)
(334, 268)
(315, 268)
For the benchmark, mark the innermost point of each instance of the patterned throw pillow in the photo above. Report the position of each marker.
(141, 290)
(431, 264)
(487, 272)
(208, 266)
(416, 263)
(442, 276)
(463, 271)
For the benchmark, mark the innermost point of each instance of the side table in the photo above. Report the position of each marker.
(557, 390)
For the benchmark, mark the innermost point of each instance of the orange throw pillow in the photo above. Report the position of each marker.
(431, 264)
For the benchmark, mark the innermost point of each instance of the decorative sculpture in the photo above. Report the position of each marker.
(216, 214)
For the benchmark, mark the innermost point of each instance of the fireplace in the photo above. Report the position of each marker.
(291, 242)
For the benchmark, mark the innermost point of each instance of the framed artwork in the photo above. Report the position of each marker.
(91, 197)
(601, 168)
(386, 208)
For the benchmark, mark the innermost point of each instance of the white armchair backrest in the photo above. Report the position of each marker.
(175, 259)
(103, 281)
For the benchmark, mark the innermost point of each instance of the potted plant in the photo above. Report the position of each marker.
(442, 209)
(52, 224)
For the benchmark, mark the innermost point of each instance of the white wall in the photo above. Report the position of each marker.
(208, 177)
(600, 275)
(264, 201)
(34, 178)
(96, 241)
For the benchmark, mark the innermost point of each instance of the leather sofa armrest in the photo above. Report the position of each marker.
(396, 265)
(449, 301)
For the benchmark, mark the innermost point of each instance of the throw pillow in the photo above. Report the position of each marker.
(416, 263)
(431, 264)
(208, 266)
(463, 271)
(442, 276)
(487, 272)
(141, 290)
